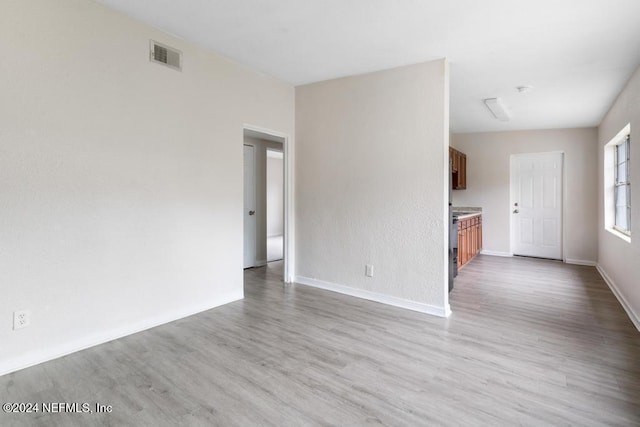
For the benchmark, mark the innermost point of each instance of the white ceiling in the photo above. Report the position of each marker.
(577, 54)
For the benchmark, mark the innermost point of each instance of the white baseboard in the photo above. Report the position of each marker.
(635, 319)
(580, 262)
(495, 253)
(44, 355)
(373, 296)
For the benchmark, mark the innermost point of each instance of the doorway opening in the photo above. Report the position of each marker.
(275, 205)
(266, 200)
(536, 205)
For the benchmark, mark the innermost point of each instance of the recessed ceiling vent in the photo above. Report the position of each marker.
(498, 109)
(165, 55)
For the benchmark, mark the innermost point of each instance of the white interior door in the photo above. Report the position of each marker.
(249, 211)
(536, 204)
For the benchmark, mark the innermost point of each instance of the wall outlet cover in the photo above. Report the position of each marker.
(368, 270)
(21, 319)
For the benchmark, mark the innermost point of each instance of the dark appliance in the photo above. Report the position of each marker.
(454, 244)
(453, 238)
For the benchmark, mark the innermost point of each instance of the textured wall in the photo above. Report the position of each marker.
(370, 182)
(618, 259)
(488, 172)
(121, 180)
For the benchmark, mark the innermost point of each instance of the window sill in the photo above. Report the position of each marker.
(619, 234)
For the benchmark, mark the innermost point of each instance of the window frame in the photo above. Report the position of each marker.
(625, 183)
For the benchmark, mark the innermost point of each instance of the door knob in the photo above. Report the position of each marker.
(252, 212)
(516, 211)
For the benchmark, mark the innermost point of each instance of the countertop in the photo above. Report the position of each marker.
(464, 215)
(463, 212)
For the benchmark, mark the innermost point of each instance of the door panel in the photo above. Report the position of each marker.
(536, 204)
(249, 207)
(526, 230)
(549, 231)
(549, 192)
(526, 192)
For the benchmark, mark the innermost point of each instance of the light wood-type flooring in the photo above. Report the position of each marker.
(530, 342)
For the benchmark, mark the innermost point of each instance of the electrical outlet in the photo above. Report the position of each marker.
(368, 270)
(21, 319)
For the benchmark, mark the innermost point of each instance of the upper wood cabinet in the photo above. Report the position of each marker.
(458, 169)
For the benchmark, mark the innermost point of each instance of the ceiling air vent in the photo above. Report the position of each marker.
(165, 55)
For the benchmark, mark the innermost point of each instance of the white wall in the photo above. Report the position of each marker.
(275, 193)
(371, 152)
(120, 179)
(618, 260)
(488, 156)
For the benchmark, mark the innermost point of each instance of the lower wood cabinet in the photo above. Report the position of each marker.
(469, 239)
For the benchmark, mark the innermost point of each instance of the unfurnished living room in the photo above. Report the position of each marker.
(295, 212)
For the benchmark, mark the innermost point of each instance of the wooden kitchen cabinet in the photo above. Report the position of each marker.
(458, 169)
(469, 239)
(454, 160)
(462, 172)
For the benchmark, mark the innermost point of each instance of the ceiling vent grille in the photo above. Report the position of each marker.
(165, 55)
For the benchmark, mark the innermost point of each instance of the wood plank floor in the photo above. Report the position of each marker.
(530, 342)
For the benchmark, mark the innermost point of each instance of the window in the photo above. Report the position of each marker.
(622, 186)
(617, 185)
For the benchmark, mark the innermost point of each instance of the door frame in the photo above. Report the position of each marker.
(289, 198)
(512, 199)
